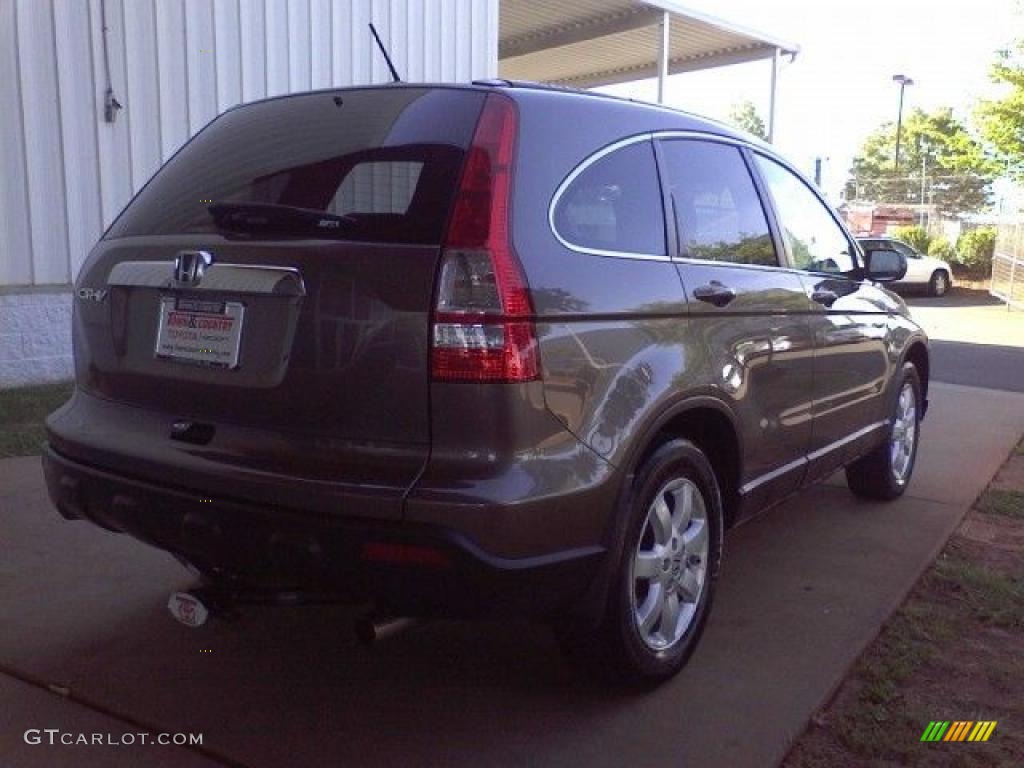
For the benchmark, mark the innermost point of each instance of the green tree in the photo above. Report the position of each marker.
(958, 173)
(745, 117)
(1002, 120)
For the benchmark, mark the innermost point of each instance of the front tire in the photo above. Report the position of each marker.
(660, 594)
(885, 473)
(939, 283)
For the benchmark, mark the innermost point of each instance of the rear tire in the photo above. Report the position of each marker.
(939, 283)
(884, 473)
(661, 591)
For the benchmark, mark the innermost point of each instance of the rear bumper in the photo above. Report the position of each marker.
(412, 567)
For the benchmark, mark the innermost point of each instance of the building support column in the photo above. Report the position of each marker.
(663, 50)
(771, 96)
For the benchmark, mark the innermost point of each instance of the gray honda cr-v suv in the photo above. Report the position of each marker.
(490, 348)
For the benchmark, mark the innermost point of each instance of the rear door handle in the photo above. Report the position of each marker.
(714, 293)
(827, 298)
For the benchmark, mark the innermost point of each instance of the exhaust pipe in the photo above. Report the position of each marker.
(373, 627)
(194, 607)
(188, 608)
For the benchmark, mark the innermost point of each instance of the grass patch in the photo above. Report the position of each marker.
(878, 725)
(22, 413)
(991, 597)
(1001, 502)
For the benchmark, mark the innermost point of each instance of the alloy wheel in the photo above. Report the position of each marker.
(904, 434)
(670, 566)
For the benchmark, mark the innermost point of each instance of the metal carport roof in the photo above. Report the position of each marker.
(587, 43)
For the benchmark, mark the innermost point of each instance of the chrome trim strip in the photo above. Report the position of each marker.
(769, 476)
(613, 147)
(142, 274)
(219, 276)
(670, 134)
(848, 439)
(813, 456)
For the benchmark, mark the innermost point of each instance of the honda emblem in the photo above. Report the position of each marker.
(189, 267)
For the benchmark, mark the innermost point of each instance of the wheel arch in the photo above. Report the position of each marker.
(917, 355)
(702, 419)
(709, 425)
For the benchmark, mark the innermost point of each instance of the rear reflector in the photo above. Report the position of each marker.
(481, 326)
(405, 554)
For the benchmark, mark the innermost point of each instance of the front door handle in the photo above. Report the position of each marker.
(714, 293)
(825, 297)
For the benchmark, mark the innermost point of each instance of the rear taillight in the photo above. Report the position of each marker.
(481, 329)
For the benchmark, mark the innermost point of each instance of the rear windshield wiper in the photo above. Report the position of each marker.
(274, 217)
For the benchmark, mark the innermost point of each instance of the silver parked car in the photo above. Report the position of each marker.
(923, 271)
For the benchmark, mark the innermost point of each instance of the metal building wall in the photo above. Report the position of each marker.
(65, 173)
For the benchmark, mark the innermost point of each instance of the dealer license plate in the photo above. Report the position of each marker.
(200, 332)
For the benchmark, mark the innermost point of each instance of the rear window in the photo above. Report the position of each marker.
(369, 165)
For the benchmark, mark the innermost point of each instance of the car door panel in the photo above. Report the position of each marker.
(750, 315)
(851, 369)
(760, 357)
(848, 323)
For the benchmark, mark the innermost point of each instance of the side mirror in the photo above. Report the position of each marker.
(885, 265)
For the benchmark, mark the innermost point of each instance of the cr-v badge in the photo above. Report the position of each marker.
(91, 294)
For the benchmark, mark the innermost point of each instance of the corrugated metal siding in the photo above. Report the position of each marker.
(174, 65)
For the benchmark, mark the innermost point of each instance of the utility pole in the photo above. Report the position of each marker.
(904, 81)
(924, 170)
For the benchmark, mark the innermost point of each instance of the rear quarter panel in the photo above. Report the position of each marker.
(617, 348)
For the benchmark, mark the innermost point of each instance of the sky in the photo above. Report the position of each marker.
(840, 88)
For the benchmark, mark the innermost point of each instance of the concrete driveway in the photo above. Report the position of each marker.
(805, 588)
(976, 340)
(87, 645)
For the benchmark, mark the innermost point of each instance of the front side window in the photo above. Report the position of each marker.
(816, 242)
(614, 205)
(718, 212)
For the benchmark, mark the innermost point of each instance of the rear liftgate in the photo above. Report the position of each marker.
(481, 330)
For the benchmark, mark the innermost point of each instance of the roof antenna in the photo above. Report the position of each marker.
(394, 72)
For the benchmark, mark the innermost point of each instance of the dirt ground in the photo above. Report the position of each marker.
(954, 651)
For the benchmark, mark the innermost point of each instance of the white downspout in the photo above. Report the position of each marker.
(663, 57)
(771, 97)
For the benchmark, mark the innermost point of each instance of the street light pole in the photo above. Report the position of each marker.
(904, 81)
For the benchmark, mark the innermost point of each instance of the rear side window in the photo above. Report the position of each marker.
(614, 205)
(718, 211)
(376, 165)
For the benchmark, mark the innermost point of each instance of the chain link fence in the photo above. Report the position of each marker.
(1008, 264)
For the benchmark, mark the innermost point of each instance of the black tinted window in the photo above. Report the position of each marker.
(371, 165)
(615, 204)
(717, 207)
